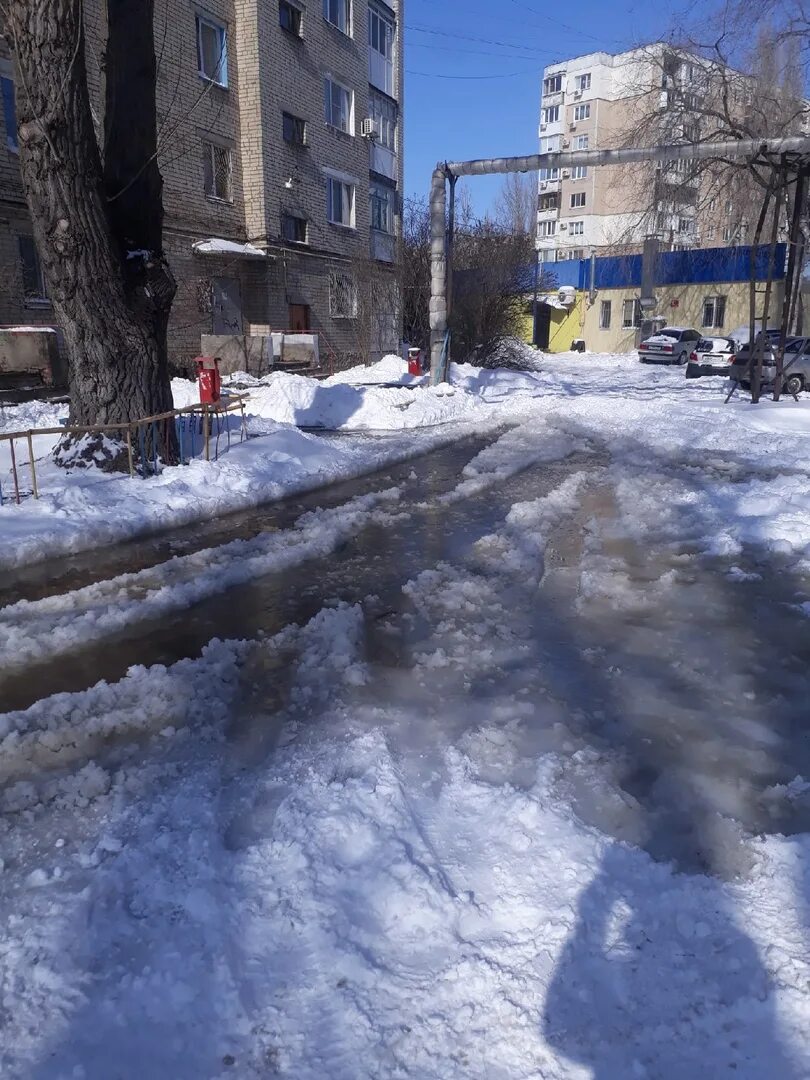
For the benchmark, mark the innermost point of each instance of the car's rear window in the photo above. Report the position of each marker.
(674, 334)
(705, 345)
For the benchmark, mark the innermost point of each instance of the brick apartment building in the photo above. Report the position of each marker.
(282, 157)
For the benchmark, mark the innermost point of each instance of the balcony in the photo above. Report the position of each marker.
(546, 213)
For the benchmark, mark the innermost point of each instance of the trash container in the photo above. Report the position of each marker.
(415, 366)
(208, 379)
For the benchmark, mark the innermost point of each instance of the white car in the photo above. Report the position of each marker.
(671, 345)
(711, 356)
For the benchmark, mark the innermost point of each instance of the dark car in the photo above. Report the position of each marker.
(796, 369)
(671, 345)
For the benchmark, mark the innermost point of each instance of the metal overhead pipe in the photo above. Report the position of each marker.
(743, 148)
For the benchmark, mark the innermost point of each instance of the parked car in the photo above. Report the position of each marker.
(671, 345)
(711, 356)
(742, 334)
(796, 368)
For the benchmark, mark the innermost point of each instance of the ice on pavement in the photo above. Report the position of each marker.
(546, 815)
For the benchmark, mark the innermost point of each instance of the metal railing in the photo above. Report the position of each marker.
(142, 438)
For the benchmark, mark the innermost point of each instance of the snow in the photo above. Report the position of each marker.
(28, 329)
(217, 246)
(421, 837)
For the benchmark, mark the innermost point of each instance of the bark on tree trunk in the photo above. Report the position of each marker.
(113, 307)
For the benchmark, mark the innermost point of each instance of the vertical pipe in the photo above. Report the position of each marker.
(438, 273)
(33, 465)
(451, 239)
(756, 381)
(181, 423)
(791, 278)
(534, 297)
(14, 472)
(129, 451)
(206, 432)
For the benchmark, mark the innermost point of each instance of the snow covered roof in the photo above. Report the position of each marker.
(217, 246)
(552, 300)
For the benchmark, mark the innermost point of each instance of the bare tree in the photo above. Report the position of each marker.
(97, 211)
(516, 205)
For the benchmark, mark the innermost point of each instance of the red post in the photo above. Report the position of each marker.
(208, 379)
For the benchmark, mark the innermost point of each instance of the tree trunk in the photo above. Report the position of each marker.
(113, 307)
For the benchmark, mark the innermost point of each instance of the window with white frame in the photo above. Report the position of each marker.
(604, 314)
(381, 33)
(685, 225)
(339, 14)
(581, 142)
(34, 292)
(576, 228)
(583, 82)
(551, 114)
(577, 199)
(9, 105)
(342, 295)
(579, 172)
(547, 228)
(552, 85)
(380, 205)
(384, 113)
(582, 112)
(714, 312)
(339, 202)
(549, 202)
(212, 50)
(339, 106)
(217, 171)
(631, 314)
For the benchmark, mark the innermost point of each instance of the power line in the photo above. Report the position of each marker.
(480, 40)
(473, 52)
(556, 22)
(508, 75)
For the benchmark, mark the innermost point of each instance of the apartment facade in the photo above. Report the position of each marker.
(281, 149)
(603, 101)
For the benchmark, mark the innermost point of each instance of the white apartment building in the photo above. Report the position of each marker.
(594, 102)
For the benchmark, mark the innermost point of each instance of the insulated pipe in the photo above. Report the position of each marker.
(741, 148)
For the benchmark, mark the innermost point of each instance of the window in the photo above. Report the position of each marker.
(342, 296)
(576, 228)
(714, 311)
(212, 51)
(551, 115)
(711, 232)
(552, 85)
(547, 228)
(573, 253)
(339, 202)
(583, 82)
(289, 17)
(338, 13)
(338, 102)
(217, 171)
(579, 172)
(691, 132)
(9, 109)
(631, 314)
(384, 113)
(581, 142)
(582, 112)
(380, 33)
(294, 228)
(604, 315)
(380, 206)
(548, 202)
(34, 292)
(577, 199)
(294, 129)
(685, 225)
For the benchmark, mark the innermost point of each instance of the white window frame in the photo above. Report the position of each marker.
(389, 37)
(552, 84)
(210, 147)
(579, 172)
(348, 197)
(345, 283)
(634, 322)
(605, 314)
(220, 76)
(583, 82)
(551, 114)
(547, 229)
(329, 85)
(343, 13)
(716, 306)
(581, 142)
(576, 228)
(384, 113)
(382, 194)
(578, 199)
(582, 112)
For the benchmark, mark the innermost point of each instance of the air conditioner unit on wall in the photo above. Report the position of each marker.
(572, 127)
(563, 227)
(369, 128)
(577, 93)
(566, 143)
(566, 174)
(543, 127)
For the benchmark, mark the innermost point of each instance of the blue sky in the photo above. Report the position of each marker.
(476, 116)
